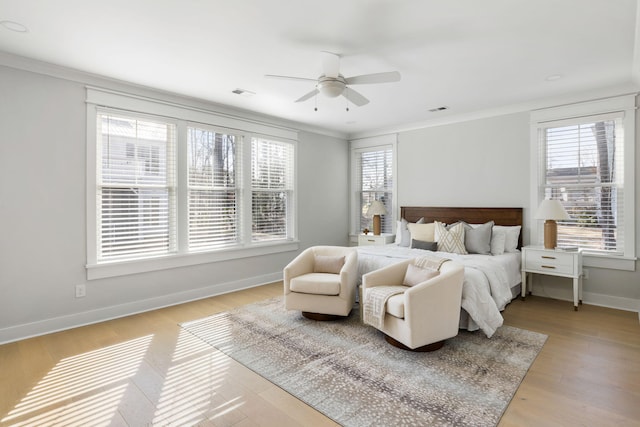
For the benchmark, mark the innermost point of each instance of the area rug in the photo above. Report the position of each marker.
(347, 371)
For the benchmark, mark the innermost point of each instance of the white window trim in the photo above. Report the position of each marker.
(356, 145)
(98, 100)
(625, 104)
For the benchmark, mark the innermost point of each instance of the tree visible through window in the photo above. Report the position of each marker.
(271, 189)
(213, 195)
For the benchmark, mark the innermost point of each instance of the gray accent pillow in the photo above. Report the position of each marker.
(420, 244)
(477, 240)
(405, 235)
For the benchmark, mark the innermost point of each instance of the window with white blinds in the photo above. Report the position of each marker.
(584, 169)
(272, 189)
(213, 162)
(171, 186)
(135, 187)
(374, 181)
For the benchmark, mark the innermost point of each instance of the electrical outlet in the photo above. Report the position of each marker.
(585, 273)
(81, 291)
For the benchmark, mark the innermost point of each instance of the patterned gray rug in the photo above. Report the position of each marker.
(348, 372)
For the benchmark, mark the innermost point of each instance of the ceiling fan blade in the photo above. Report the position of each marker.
(388, 77)
(308, 95)
(355, 97)
(330, 64)
(304, 79)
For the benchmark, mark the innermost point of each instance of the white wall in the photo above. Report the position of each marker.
(42, 213)
(485, 162)
(478, 163)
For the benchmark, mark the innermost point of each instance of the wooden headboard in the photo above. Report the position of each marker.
(501, 216)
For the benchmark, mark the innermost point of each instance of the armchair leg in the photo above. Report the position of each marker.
(321, 316)
(425, 348)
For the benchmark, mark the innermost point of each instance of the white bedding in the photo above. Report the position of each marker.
(486, 290)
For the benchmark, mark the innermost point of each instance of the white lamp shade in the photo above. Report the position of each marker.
(551, 209)
(376, 208)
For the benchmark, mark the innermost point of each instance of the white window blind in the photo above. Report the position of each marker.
(135, 187)
(213, 160)
(272, 189)
(583, 162)
(374, 181)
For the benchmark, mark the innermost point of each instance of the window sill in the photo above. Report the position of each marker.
(123, 268)
(609, 261)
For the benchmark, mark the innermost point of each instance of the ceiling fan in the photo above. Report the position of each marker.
(332, 84)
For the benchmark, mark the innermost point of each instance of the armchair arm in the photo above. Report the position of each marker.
(390, 275)
(349, 274)
(436, 298)
(302, 264)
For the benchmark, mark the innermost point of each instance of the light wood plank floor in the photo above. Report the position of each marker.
(144, 370)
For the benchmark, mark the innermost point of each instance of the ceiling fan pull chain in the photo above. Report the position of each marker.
(316, 101)
(346, 96)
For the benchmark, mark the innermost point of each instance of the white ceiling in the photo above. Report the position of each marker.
(469, 55)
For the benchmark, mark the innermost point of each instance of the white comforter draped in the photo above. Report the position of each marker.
(487, 282)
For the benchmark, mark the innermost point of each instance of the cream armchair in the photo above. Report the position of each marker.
(426, 314)
(321, 282)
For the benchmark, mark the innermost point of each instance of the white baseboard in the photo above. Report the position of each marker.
(55, 324)
(602, 300)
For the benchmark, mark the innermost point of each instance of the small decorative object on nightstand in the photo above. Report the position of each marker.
(553, 262)
(379, 240)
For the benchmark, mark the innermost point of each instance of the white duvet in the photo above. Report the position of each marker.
(486, 290)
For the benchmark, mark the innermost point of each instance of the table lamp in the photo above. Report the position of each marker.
(550, 211)
(376, 208)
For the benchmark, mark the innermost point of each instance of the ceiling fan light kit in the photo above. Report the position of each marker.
(331, 86)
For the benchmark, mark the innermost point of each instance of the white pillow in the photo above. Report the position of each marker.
(398, 232)
(498, 238)
(415, 275)
(512, 234)
(451, 240)
(403, 237)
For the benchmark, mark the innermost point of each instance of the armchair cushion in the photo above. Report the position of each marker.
(316, 284)
(415, 275)
(395, 306)
(328, 264)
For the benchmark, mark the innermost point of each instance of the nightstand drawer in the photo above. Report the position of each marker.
(550, 262)
(373, 240)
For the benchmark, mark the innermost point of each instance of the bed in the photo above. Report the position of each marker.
(491, 281)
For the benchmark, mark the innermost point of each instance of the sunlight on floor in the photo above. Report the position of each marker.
(83, 389)
(192, 388)
(151, 380)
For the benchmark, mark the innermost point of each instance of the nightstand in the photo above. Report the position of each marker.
(538, 260)
(379, 240)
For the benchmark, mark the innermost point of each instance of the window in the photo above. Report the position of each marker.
(213, 191)
(584, 162)
(135, 193)
(172, 186)
(583, 170)
(271, 189)
(373, 179)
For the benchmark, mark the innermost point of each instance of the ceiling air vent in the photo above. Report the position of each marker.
(243, 92)
(435, 110)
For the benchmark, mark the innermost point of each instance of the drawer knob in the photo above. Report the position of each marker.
(548, 257)
(548, 266)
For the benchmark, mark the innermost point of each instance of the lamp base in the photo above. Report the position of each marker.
(376, 225)
(550, 234)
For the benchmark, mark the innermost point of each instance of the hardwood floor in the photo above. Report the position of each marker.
(144, 370)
